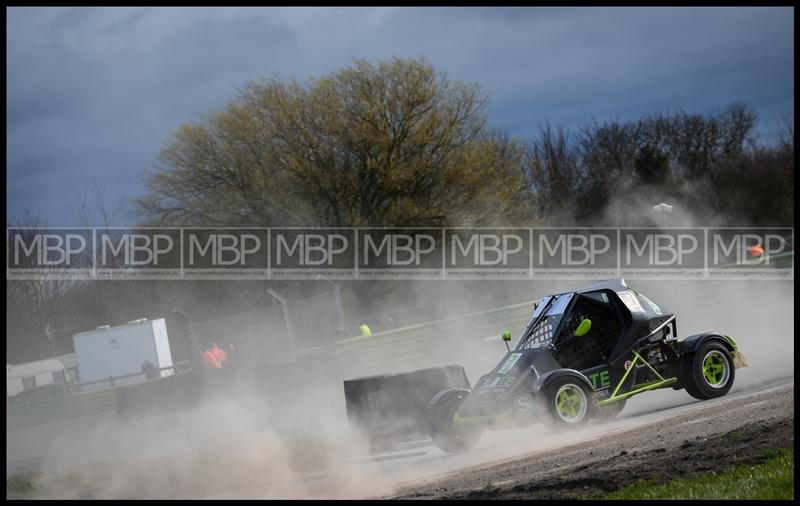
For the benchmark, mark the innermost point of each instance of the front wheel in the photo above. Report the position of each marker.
(709, 372)
(446, 432)
(567, 403)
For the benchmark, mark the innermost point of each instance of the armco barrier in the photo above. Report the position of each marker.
(428, 344)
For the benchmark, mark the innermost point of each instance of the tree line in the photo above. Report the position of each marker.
(398, 144)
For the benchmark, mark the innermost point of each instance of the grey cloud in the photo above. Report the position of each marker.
(92, 93)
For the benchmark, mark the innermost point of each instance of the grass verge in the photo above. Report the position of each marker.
(774, 479)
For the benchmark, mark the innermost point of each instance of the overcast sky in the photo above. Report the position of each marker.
(93, 93)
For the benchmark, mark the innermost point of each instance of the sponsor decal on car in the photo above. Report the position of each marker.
(523, 403)
(500, 382)
(603, 393)
(510, 361)
(600, 379)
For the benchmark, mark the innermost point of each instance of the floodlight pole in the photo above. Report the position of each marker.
(285, 305)
(196, 349)
(50, 333)
(337, 294)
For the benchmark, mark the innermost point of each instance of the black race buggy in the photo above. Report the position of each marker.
(581, 355)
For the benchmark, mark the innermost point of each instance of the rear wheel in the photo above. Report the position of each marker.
(568, 403)
(446, 432)
(709, 372)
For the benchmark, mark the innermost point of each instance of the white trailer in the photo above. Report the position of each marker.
(29, 375)
(122, 350)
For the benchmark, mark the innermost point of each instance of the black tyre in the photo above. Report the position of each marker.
(610, 411)
(568, 403)
(446, 433)
(709, 372)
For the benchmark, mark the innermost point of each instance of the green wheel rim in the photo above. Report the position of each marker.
(716, 369)
(570, 403)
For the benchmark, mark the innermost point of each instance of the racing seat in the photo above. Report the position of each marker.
(593, 348)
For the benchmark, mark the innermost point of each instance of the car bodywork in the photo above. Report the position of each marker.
(632, 347)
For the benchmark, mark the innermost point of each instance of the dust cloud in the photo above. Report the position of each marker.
(758, 314)
(229, 446)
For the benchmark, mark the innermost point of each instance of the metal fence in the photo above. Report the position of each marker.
(278, 331)
(257, 333)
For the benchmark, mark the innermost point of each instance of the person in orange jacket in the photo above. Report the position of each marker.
(212, 357)
(219, 354)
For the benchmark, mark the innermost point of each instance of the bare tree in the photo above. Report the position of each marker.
(394, 143)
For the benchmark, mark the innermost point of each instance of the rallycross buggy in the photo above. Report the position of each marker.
(579, 357)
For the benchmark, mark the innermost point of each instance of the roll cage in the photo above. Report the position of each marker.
(622, 321)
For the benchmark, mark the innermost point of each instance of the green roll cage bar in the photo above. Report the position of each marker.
(652, 385)
(637, 389)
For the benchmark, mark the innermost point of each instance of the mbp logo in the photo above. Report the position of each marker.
(482, 253)
(48, 250)
(399, 252)
(751, 250)
(579, 251)
(309, 252)
(218, 251)
(137, 251)
(655, 252)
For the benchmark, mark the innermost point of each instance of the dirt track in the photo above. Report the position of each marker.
(704, 437)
